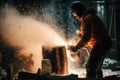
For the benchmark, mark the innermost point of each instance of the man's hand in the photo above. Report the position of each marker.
(72, 48)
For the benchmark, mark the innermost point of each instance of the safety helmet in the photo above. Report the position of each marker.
(78, 7)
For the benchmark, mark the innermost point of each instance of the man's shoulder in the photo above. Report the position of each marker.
(89, 17)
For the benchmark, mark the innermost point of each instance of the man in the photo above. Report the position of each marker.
(94, 34)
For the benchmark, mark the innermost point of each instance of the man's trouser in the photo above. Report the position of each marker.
(95, 61)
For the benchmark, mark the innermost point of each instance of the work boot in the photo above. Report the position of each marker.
(90, 73)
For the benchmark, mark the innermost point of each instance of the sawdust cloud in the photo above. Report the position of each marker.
(29, 35)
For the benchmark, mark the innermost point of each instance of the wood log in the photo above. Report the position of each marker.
(58, 59)
(46, 67)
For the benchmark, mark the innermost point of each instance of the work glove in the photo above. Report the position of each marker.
(72, 48)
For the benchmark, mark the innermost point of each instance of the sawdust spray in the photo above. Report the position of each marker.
(28, 34)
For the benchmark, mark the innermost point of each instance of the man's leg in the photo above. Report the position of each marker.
(99, 74)
(91, 67)
(93, 62)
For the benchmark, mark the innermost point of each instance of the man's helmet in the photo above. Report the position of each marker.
(78, 7)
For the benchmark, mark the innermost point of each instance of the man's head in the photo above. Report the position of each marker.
(77, 9)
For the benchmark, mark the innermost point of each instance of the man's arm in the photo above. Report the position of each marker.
(87, 30)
